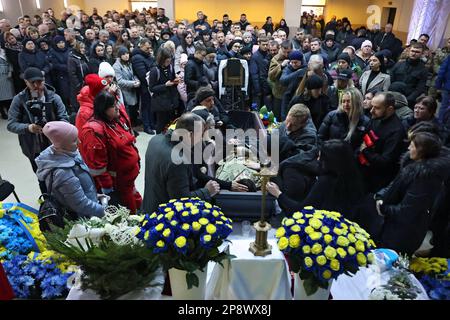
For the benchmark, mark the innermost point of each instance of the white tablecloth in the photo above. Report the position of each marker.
(250, 278)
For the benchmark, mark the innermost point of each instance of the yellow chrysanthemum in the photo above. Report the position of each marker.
(335, 265)
(185, 226)
(160, 216)
(208, 205)
(351, 251)
(207, 238)
(180, 242)
(351, 238)
(144, 223)
(309, 229)
(174, 223)
(306, 249)
(289, 222)
(295, 228)
(196, 226)
(309, 262)
(342, 241)
(160, 244)
(372, 243)
(203, 221)
(315, 223)
(215, 213)
(316, 248)
(352, 229)
(315, 236)
(146, 235)
(338, 231)
(294, 241)
(326, 274)
(159, 227)
(211, 229)
(321, 260)
(370, 257)
(361, 258)
(360, 246)
(153, 215)
(167, 232)
(283, 243)
(341, 252)
(325, 229)
(195, 211)
(330, 252)
(188, 205)
(185, 214)
(167, 209)
(169, 215)
(300, 221)
(297, 215)
(280, 232)
(328, 238)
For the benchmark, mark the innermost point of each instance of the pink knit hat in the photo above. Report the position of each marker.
(61, 134)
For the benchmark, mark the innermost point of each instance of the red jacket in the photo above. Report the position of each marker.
(86, 110)
(109, 151)
(6, 292)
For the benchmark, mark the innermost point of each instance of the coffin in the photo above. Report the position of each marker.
(244, 205)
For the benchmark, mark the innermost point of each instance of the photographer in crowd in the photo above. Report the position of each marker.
(30, 110)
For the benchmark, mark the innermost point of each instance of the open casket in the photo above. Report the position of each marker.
(244, 205)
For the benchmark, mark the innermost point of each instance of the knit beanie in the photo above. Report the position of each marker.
(296, 55)
(95, 83)
(314, 82)
(121, 51)
(346, 57)
(105, 70)
(204, 93)
(366, 43)
(58, 39)
(62, 134)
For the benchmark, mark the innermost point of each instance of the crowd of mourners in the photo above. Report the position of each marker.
(365, 119)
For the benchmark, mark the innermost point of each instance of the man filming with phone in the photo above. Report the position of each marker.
(30, 110)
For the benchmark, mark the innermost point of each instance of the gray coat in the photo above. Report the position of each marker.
(382, 82)
(20, 117)
(126, 78)
(7, 86)
(71, 182)
(165, 180)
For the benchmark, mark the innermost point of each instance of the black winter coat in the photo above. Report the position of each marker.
(414, 75)
(384, 157)
(165, 180)
(59, 70)
(332, 52)
(319, 107)
(78, 68)
(259, 72)
(142, 63)
(35, 58)
(194, 76)
(336, 126)
(164, 98)
(94, 62)
(408, 202)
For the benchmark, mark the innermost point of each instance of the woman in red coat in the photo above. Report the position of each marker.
(6, 292)
(108, 148)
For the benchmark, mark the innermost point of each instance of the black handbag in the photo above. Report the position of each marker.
(51, 212)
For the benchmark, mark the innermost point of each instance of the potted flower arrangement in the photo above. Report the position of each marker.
(398, 287)
(186, 234)
(268, 119)
(113, 263)
(320, 245)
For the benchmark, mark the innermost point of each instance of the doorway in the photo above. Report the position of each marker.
(388, 16)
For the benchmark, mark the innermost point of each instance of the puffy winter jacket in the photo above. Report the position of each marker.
(414, 75)
(194, 76)
(71, 182)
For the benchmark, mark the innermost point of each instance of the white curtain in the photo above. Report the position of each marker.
(431, 17)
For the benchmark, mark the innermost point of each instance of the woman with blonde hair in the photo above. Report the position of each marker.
(348, 122)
